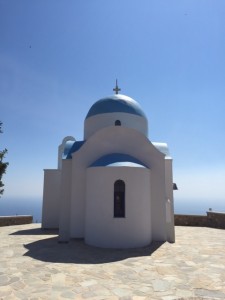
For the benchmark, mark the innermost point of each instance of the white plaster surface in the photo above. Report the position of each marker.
(95, 123)
(65, 196)
(51, 199)
(101, 228)
(116, 139)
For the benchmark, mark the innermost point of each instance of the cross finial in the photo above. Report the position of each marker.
(116, 89)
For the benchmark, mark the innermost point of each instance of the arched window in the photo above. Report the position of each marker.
(119, 199)
(117, 123)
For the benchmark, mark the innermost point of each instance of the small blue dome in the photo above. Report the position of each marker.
(117, 159)
(116, 103)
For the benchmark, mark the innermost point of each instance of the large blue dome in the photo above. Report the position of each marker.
(116, 103)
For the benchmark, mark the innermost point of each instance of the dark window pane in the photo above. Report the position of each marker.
(119, 199)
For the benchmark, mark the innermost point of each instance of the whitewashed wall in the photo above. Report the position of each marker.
(118, 139)
(65, 203)
(169, 200)
(101, 228)
(95, 123)
(51, 199)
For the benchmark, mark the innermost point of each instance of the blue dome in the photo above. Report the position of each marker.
(116, 103)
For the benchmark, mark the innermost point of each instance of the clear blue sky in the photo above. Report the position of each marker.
(58, 57)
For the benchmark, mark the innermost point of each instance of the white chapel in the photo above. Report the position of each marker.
(114, 189)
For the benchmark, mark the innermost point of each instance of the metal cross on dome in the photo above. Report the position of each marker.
(116, 89)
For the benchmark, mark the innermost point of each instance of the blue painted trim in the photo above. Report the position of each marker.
(112, 158)
(71, 147)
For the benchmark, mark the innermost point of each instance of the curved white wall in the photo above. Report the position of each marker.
(101, 228)
(100, 121)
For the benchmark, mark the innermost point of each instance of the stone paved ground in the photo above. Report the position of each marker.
(34, 266)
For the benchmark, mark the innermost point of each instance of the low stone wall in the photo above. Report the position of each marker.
(216, 219)
(212, 219)
(15, 220)
(190, 220)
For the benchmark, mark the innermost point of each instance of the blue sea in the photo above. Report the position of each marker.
(17, 206)
(33, 206)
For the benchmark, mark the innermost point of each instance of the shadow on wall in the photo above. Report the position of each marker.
(76, 251)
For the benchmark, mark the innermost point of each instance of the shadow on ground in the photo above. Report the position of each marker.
(36, 231)
(76, 251)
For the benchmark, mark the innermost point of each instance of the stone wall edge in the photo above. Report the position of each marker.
(15, 220)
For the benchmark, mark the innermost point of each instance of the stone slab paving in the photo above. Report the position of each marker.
(33, 265)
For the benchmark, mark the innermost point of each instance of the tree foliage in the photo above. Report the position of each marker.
(3, 165)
